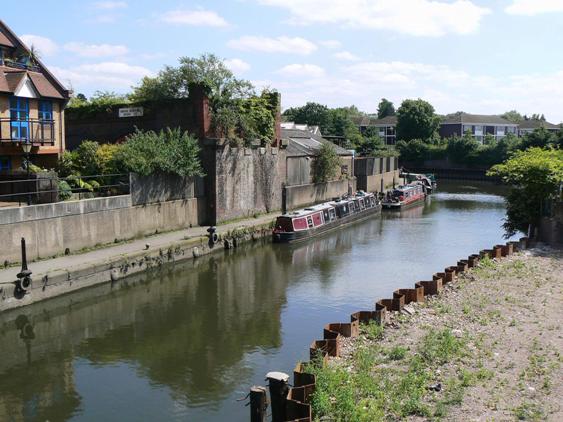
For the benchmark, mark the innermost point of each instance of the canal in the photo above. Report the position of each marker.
(187, 343)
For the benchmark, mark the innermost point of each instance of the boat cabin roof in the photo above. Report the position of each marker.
(325, 205)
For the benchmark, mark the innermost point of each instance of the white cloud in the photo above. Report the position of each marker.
(346, 56)
(237, 65)
(332, 44)
(45, 46)
(412, 17)
(286, 45)
(110, 5)
(534, 7)
(194, 18)
(101, 76)
(96, 50)
(302, 71)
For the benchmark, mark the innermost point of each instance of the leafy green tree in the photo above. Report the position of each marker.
(372, 145)
(513, 116)
(535, 175)
(385, 109)
(341, 124)
(540, 137)
(168, 151)
(326, 164)
(416, 150)
(416, 119)
(86, 159)
(313, 114)
(208, 69)
(462, 149)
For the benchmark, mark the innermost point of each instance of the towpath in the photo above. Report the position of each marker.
(106, 253)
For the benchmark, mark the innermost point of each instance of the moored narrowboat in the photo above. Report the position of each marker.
(311, 221)
(405, 196)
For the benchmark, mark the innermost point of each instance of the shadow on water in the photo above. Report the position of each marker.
(186, 342)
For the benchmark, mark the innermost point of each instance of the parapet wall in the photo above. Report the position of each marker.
(247, 181)
(50, 229)
(303, 195)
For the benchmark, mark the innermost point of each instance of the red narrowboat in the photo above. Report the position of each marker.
(308, 222)
(405, 196)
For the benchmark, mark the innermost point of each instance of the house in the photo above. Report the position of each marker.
(479, 126)
(386, 127)
(32, 103)
(302, 147)
(528, 126)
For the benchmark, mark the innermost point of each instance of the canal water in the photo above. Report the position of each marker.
(185, 344)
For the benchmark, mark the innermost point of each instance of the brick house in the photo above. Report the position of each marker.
(32, 103)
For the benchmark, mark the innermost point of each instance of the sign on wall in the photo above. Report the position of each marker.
(131, 112)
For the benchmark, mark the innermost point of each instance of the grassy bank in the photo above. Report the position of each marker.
(488, 348)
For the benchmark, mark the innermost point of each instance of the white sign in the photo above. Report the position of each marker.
(131, 112)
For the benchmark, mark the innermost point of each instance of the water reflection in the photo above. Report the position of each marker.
(186, 342)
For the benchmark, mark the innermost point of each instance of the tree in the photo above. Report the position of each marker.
(513, 116)
(208, 69)
(462, 149)
(326, 164)
(416, 120)
(313, 114)
(385, 108)
(535, 175)
(341, 124)
(540, 137)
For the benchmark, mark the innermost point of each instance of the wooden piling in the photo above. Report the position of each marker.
(258, 404)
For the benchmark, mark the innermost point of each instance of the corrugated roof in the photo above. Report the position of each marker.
(302, 142)
(475, 119)
(535, 124)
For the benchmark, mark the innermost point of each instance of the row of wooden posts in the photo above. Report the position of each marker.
(293, 404)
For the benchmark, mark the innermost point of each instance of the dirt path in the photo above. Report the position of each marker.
(490, 347)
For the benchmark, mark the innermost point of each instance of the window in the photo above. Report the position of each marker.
(5, 163)
(19, 118)
(309, 222)
(45, 110)
(478, 130)
(467, 128)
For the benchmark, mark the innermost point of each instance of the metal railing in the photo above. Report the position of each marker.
(50, 190)
(38, 132)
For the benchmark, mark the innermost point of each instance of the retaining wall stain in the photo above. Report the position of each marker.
(297, 403)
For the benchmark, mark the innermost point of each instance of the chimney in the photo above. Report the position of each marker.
(198, 94)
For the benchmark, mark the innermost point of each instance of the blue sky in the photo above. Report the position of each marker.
(473, 55)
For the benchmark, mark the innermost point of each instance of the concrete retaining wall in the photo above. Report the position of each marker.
(376, 174)
(247, 181)
(303, 195)
(50, 229)
(164, 187)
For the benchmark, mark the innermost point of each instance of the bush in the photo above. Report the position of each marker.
(168, 151)
(536, 176)
(326, 164)
(65, 191)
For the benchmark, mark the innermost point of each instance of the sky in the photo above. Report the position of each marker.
(482, 57)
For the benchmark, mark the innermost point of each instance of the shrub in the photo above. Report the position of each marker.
(65, 191)
(168, 151)
(326, 164)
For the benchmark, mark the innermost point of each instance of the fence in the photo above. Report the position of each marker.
(45, 190)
